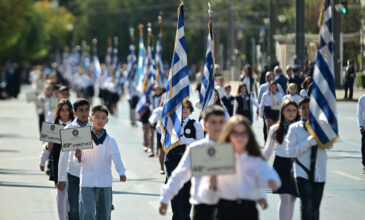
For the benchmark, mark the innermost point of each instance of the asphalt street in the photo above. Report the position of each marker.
(26, 192)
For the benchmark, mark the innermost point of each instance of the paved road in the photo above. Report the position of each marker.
(26, 192)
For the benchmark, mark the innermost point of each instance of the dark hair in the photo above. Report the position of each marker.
(213, 110)
(61, 103)
(303, 101)
(100, 108)
(242, 84)
(280, 132)
(80, 102)
(272, 83)
(218, 100)
(248, 70)
(252, 146)
(307, 81)
(190, 105)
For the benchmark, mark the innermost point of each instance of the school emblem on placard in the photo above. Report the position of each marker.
(188, 131)
(52, 127)
(75, 133)
(211, 151)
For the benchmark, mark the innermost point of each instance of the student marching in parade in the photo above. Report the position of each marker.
(305, 87)
(89, 90)
(310, 164)
(132, 97)
(270, 105)
(243, 102)
(248, 78)
(155, 122)
(283, 163)
(237, 194)
(68, 170)
(156, 98)
(96, 177)
(46, 94)
(63, 116)
(217, 101)
(228, 100)
(292, 93)
(204, 208)
(191, 131)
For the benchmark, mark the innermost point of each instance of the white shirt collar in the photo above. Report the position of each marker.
(62, 122)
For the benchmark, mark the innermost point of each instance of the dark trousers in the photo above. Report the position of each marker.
(204, 212)
(237, 209)
(363, 147)
(73, 189)
(265, 131)
(349, 85)
(310, 194)
(180, 203)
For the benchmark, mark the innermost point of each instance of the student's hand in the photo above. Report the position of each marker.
(361, 129)
(61, 185)
(41, 167)
(50, 146)
(263, 203)
(213, 183)
(162, 209)
(272, 184)
(78, 154)
(123, 178)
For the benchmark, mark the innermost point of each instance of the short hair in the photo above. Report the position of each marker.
(213, 110)
(80, 102)
(227, 86)
(303, 101)
(100, 108)
(190, 105)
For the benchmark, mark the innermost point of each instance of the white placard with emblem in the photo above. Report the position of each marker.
(51, 132)
(212, 160)
(76, 138)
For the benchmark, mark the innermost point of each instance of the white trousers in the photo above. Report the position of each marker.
(62, 204)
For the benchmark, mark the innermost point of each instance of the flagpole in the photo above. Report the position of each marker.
(158, 71)
(95, 42)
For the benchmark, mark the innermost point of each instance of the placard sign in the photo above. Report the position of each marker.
(76, 138)
(212, 160)
(51, 132)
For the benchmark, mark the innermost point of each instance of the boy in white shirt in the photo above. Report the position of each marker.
(96, 177)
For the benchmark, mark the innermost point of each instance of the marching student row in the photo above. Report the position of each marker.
(235, 196)
(83, 177)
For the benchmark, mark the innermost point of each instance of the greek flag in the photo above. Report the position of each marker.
(206, 91)
(148, 81)
(177, 89)
(160, 78)
(97, 67)
(131, 62)
(322, 123)
(141, 60)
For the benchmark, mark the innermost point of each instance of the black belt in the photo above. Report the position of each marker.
(237, 202)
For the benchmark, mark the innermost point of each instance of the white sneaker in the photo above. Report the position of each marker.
(149, 150)
(145, 149)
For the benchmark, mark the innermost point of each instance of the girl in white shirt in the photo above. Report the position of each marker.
(243, 102)
(292, 93)
(283, 164)
(238, 193)
(270, 105)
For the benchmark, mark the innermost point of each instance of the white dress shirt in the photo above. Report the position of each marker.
(361, 111)
(272, 144)
(248, 183)
(298, 143)
(294, 97)
(252, 102)
(182, 174)
(263, 89)
(267, 101)
(96, 164)
(66, 164)
(198, 135)
(303, 93)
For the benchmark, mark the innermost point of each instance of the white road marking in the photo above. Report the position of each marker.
(348, 175)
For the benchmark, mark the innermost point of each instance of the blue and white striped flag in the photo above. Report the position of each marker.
(131, 62)
(148, 80)
(97, 67)
(141, 61)
(322, 123)
(177, 89)
(207, 88)
(160, 78)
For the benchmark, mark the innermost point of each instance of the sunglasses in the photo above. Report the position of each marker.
(243, 134)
